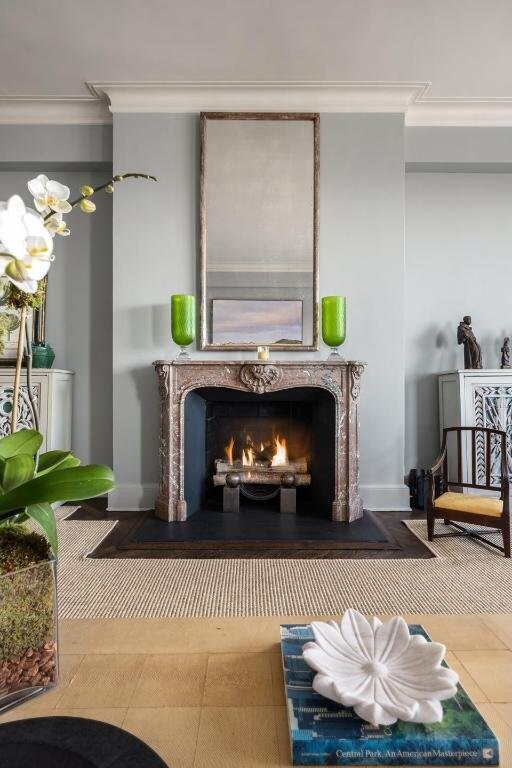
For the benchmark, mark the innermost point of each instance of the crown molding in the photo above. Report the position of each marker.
(287, 96)
(53, 110)
(453, 112)
(408, 98)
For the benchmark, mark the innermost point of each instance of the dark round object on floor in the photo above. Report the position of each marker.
(72, 742)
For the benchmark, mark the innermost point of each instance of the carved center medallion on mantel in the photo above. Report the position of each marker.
(260, 378)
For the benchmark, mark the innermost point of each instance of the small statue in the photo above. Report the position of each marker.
(505, 353)
(472, 351)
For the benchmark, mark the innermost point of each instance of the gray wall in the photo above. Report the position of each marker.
(402, 313)
(55, 146)
(154, 255)
(453, 148)
(79, 310)
(361, 256)
(458, 261)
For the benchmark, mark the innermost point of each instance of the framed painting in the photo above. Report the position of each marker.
(256, 322)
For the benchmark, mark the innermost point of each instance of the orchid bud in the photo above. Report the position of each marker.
(86, 190)
(109, 188)
(87, 206)
(118, 178)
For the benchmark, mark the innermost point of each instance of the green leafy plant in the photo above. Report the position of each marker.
(29, 483)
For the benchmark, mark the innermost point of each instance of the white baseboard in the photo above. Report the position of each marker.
(132, 498)
(385, 498)
(376, 498)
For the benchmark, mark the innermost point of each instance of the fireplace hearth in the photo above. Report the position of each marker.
(245, 436)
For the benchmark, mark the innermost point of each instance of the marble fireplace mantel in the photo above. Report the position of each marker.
(177, 378)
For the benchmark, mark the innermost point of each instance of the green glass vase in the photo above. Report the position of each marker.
(334, 323)
(183, 321)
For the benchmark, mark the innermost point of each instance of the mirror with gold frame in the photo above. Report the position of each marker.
(259, 231)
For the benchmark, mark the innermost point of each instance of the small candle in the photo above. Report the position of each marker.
(263, 353)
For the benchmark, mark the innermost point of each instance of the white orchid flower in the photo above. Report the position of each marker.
(57, 226)
(49, 195)
(25, 245)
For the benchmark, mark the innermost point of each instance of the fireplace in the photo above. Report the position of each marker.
(239, 435)
(244, 450)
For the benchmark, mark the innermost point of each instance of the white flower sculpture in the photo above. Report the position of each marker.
(380, 670)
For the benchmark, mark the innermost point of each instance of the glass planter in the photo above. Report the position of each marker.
(28, 633)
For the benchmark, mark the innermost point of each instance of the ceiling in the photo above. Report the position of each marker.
(52, 48)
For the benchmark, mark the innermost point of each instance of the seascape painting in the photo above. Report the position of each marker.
(265, 321)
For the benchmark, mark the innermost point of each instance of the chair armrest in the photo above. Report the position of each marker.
(438, 462)
(430, 488)
(505, 494)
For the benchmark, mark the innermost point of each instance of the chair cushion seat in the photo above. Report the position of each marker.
(471, 504)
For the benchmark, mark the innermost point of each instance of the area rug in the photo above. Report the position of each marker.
(463, 577)
(456, 547)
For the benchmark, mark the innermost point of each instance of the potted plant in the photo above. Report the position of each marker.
(31, 482)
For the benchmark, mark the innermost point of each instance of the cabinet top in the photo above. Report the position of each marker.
(11, 369)
(477, 372)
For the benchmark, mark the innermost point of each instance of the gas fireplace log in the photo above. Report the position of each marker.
(300, 466)
(263, 476)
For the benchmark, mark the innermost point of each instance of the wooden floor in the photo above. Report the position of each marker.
(208, 693)
(119, 544)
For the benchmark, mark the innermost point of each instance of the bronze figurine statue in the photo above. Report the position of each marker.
(505, 353)
(472, 351)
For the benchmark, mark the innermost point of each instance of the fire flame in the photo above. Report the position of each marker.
(228, 450)
(280, 457)
(248, 458)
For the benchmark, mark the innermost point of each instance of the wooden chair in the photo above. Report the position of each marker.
(490, 512)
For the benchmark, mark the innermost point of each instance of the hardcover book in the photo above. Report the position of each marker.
(323, 732)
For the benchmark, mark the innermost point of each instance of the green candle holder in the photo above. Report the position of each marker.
(183, 321)
(334, 324)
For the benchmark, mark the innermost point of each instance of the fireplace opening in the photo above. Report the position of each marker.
(246, 451)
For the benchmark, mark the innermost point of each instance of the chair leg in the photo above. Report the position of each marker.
(506, 539)
(446, 521)
(430, 525)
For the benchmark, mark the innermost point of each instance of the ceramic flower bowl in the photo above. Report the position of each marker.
(380, 670)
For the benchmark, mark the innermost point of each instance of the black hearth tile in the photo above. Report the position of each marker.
(258, 525)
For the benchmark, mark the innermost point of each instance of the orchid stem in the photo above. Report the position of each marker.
(28, 356)
(17, 375)
(114, 180)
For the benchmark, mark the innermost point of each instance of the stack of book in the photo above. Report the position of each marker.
(325, 733)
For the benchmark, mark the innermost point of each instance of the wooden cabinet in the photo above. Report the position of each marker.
(478, 398)
(52, 390)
